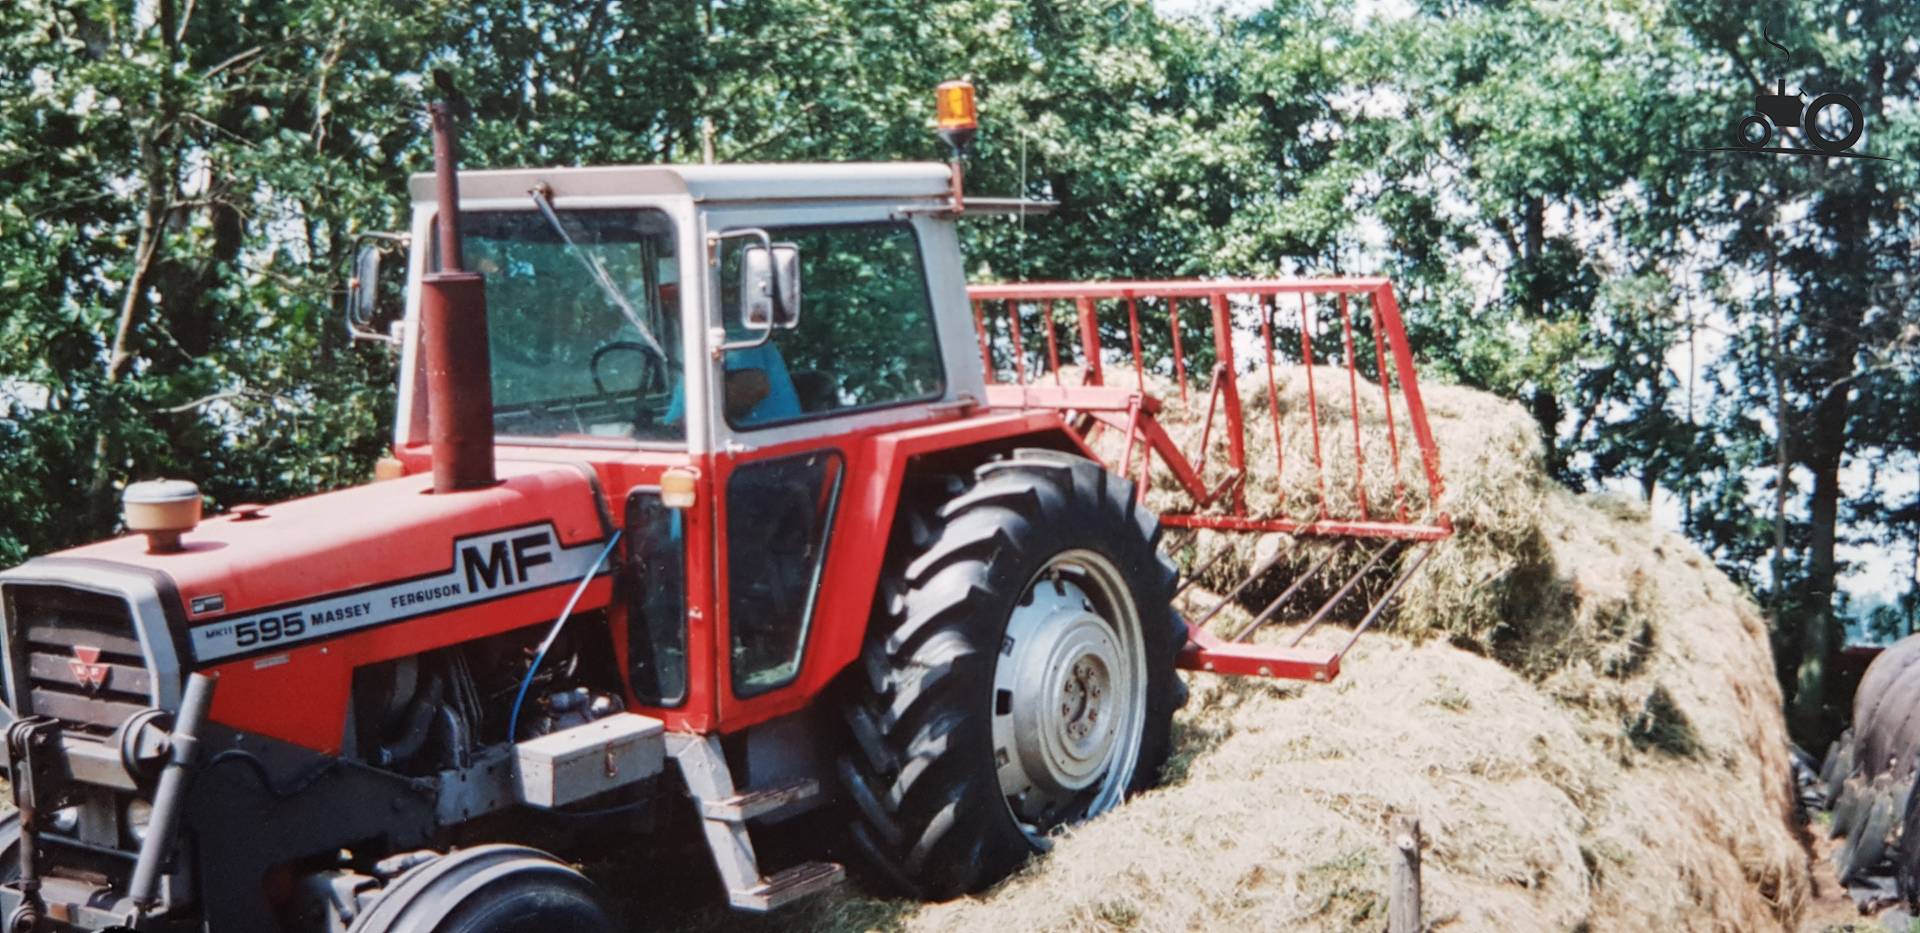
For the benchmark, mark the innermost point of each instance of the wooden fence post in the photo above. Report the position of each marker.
(1403, 911)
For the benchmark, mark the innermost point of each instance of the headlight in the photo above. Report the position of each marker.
(139, 814)
(64, 820)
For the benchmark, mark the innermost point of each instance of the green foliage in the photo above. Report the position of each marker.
(182, 192)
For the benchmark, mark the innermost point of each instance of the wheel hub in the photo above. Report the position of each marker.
(1067, 721)
(1063, 745)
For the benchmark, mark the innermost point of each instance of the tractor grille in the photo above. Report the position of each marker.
(78, 654)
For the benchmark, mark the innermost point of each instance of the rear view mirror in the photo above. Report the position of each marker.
(770, 286)
(365, 311)
(363, 291)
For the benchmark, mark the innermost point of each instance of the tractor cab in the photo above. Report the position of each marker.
(616, 312)
(745, 328)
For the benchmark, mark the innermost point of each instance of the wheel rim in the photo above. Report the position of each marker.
(1069, 699)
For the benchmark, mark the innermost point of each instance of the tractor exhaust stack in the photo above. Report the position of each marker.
(453, 325)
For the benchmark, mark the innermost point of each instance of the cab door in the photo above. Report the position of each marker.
(790, 415)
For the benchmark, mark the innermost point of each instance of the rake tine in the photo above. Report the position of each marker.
(1327, 607)
(1281, 599)
(1195, 576)
(1257, 572)
(1406, 573)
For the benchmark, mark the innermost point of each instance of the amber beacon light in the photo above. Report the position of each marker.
(956, 122)
(954, 114)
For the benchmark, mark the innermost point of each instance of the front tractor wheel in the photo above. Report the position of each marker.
(1018, 677)
(487, 889)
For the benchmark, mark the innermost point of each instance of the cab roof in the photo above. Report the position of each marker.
(773, 181)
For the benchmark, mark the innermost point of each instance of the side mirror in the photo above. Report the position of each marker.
(770, 286)
(363, 288)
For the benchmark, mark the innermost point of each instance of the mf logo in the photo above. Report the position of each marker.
(87, 670)
(505, 562)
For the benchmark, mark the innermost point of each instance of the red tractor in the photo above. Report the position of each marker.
(652, 545)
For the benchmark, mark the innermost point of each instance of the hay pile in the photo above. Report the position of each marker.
(1578, 706)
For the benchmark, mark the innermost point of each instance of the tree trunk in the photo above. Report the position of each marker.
(157, 169)
(1788, 635)
(1545, 405)
(1818, 707)
(132, 306)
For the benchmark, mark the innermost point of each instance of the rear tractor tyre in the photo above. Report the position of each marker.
(1834, 771)
(488, 889)
(1018, 677)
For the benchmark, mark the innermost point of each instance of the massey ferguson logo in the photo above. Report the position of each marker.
(479, 567)
(87, 670)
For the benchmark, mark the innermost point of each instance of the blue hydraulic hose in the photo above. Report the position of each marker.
(513, 720)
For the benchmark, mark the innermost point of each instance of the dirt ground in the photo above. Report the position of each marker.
(1829, 908)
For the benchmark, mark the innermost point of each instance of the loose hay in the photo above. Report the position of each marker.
(1581, 710)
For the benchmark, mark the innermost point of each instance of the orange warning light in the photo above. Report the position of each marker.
(953, 106)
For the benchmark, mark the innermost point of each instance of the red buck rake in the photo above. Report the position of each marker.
(1399, 538)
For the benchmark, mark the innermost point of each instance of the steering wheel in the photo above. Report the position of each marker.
(647, 378)
(651, 375)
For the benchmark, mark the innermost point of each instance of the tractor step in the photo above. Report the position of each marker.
(758, 803)
(723, 816)
(788, 885)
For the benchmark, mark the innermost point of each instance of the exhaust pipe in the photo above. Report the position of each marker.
(453, 326)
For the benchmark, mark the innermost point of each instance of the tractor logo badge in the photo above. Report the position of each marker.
(1828, 125)
(87, 670)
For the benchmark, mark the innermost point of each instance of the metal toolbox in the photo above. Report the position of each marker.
(573, 764)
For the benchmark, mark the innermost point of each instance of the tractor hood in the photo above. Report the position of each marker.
(311, 570)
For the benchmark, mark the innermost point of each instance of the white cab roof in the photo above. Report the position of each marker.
(776, 181)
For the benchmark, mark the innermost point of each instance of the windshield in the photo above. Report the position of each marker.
(578, 315)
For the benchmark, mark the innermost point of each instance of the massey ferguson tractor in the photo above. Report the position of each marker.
(713, 500)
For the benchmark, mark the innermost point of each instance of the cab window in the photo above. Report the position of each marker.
(866, 336)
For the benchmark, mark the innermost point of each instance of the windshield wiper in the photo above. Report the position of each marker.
(599, 273)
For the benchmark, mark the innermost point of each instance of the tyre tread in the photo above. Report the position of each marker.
(922, 806)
